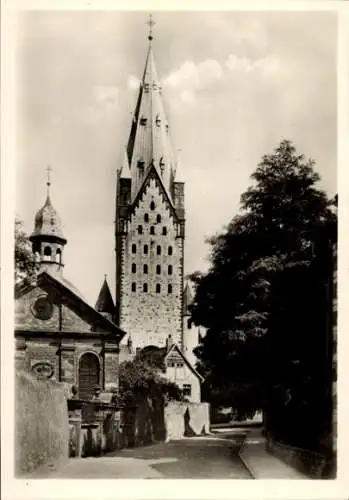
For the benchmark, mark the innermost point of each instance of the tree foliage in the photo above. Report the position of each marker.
(25, 266)
(144, 377)
(264, 299)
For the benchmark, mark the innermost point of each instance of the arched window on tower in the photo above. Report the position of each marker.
(59, 256)
(47, 251)
(152, 230)
(152, 205)
(169, 288)
(164, 230)
(145, 268)
(158, 269)
(134, 248)
(133, 268)
(140, 229)
(145, 287)
(158, 250)
(133, 287)
(145, 249)
(158, 288)
(158, 218)
(170, 269)
(146, 217)
(170, 250)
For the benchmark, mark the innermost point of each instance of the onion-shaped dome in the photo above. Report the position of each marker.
(48, 222)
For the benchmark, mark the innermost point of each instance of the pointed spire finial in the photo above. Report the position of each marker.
(150, 23)
(48, 182)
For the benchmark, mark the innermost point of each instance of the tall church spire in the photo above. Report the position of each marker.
(149, 142)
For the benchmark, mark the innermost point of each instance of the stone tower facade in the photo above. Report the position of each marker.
(150, 224)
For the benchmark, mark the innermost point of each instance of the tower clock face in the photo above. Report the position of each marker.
(42, 308)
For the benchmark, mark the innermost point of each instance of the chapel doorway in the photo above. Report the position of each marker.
(88, 375)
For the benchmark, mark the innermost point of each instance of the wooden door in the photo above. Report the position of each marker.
(88, 375)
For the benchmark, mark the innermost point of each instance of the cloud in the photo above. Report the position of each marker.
(133, 82)
(191, 76)
(265, 67)
(106, 93)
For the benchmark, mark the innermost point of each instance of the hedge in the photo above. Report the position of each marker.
(42, 431)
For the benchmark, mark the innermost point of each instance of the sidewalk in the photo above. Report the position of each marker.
(260, 463)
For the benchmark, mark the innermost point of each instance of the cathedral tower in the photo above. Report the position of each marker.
(149, 226)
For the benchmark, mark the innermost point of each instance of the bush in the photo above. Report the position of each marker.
(42, 430)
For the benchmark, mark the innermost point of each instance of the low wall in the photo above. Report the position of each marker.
(186, 419)
(41, 423)
(308, 462)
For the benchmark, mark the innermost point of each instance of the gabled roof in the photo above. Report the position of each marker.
(175, 347)
(65, 294)
(105, 303)
(153, 173)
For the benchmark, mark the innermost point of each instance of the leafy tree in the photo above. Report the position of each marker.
(144, 377)
(264, 298)
(25, 266)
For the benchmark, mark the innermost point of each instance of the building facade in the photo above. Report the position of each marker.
(58, 335)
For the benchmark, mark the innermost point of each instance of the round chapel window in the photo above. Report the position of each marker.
(42, 308)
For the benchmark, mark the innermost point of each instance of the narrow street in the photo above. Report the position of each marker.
(209, 457)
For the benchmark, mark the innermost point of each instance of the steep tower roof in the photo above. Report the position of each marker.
(125, 172)
(149, 141)
(187, 298)
(105, 303)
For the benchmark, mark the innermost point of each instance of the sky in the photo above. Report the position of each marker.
(234, 85)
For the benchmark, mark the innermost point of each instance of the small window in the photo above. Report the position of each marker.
(152, 205)
(179, 365)
(169, 288)
(189, 323)
(158, 269)
(133, 268)
(145, 249)
(169, 269)
(158, 250)
(47, 251)
(145, 287)
(145, 268)
(133, 287)
(170, 250)
(146, 217)
(158, 218)
(143, 121)
(186, 389)
(158, 288)
(164, 230)
(134, 248)
(152, 230)
(140, 229)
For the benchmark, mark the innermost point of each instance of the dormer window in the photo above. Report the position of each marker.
(162, 164)
(143, 121)
(140, 164)
(146, 87)
(157, 121)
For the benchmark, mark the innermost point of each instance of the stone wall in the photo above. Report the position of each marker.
(186, 420)
(308, 462)
(150, 316)
(41, 426)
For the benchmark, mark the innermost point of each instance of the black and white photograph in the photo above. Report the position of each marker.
(175, 244)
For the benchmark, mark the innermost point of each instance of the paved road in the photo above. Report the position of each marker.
(211, 457)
